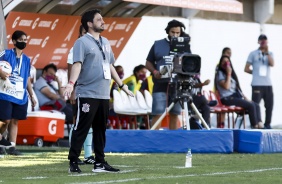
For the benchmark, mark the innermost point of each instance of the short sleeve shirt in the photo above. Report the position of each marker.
(261, 68)
(225, 92)
(91, 82)
(38, 86)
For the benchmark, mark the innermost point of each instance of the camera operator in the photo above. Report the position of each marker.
(162, 94)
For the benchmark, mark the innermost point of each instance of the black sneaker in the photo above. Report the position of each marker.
(2, 151)
(80, 162)
(89, 160)
(6, 144)
(13, 151)
(103, 167)
(74, 168)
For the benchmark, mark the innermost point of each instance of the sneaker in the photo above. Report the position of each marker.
(267, 127)
(80, 162)
(74, 168)
(103, 167)
(13, 151)
(6, 144)
(2, 151)
(89, 160)
(260, 125)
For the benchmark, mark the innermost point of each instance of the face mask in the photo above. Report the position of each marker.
(49, 78)
(142, 77)
(226, 64)
(20, 45)
(121, 75)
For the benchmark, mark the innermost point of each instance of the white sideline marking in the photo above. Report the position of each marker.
(82, 174)
(183, 176)
(34, 178)
(92, 174)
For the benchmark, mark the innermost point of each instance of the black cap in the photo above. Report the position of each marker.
(262, 37)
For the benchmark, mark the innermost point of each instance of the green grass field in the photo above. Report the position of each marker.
(50, 165)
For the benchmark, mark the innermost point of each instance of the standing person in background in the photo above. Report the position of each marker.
(14, 101)
(155, 60)
(261, 60)
(87, 145)
(92, 70)
(135, 80)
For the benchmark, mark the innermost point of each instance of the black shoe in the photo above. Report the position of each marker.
(80, 162)
(13, 151)
(103, 167)
(6, 144)
(74, 168)
(267, 127)
(2, 151)
(89, 160)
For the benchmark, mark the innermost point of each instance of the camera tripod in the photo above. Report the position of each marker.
(183, 97)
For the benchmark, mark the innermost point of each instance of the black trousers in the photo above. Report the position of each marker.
(91, 112)
(201, 103)
(252, 108)
(265, 93)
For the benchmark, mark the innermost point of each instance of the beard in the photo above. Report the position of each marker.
(98, 29)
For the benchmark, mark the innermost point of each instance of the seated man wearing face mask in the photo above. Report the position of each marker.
(135, 80)
(50, 96)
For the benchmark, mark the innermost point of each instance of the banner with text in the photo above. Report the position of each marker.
(50, 37)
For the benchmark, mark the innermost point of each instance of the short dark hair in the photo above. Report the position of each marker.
(49, 66)
(174, 23)
(138, 68)
(88, 17)
(17, 34)
(225, 49)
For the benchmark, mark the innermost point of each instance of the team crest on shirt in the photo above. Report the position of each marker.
(85, 107)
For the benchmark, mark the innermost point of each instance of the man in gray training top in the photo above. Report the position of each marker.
(261, 60)
(92, 70)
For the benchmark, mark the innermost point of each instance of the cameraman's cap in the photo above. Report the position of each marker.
(262, 37)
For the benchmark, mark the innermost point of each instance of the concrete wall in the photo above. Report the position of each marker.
(248, 16)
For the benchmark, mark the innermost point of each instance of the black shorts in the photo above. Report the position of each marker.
(10, 110)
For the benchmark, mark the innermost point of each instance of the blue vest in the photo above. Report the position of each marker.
(9, 55)
(161, 49)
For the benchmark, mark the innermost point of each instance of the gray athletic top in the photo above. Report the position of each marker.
(91, 82)
(261, 68)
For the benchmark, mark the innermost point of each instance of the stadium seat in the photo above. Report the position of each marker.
(148, 98)
(141, 101)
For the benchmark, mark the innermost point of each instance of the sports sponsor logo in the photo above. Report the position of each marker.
(35, 23)
(45, 42)
(52, 127)
(54, 24)
(16, 22)
(85, 107)
(26, 23)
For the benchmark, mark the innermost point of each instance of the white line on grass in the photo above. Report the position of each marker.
(92, 174)
(34, 178)
(183, 176)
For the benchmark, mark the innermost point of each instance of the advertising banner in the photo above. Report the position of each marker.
(50, 37)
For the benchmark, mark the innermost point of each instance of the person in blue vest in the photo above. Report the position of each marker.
(14, 99)
(155, 60)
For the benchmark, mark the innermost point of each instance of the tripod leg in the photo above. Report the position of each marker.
(187, 123)
(162, 117)
(199, 115)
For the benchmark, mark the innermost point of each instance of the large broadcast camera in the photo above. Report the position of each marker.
(184, 63)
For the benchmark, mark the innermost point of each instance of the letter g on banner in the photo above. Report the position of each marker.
(52, 127)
